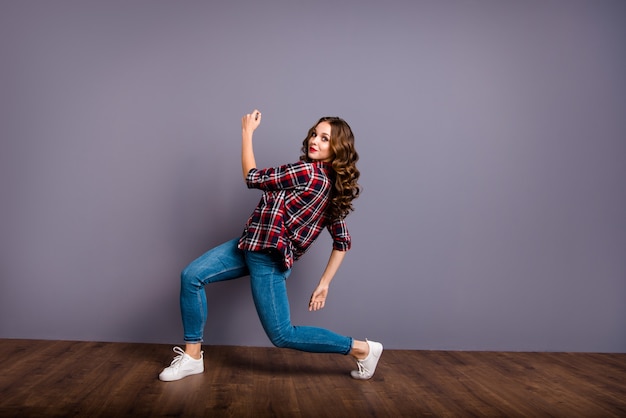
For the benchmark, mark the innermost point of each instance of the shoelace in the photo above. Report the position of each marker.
(179, 358)
(362, 369)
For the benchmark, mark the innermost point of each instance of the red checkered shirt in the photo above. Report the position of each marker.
(292, 211)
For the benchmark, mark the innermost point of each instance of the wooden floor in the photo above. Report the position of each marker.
(88, 379)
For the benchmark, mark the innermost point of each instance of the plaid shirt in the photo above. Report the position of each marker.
(292, 211)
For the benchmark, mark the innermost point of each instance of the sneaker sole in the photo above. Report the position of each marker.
(162, 379)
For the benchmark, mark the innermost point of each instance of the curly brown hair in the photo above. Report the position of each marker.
(346, 187)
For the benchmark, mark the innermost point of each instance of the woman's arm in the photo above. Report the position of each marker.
(249, 123)
(318, 298)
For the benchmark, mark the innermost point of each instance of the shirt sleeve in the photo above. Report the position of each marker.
(290, 176)
(341, 237)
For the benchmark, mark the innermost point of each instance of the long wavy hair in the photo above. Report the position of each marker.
(345, 182)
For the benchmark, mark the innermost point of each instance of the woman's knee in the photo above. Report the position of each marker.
(281, 338)
(189, 276)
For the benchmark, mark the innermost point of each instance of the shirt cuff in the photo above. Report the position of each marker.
(342, 245)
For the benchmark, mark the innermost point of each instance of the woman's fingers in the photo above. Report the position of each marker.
(251, 120)
(255, 114)
(315, 305)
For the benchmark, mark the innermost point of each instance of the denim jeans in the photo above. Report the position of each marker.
(269, 292)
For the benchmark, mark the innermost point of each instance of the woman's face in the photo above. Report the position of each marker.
(319, 143)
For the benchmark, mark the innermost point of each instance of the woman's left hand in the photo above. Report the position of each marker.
(318, 298)
(251, 121)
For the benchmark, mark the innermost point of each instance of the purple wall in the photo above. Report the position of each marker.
(493, 144)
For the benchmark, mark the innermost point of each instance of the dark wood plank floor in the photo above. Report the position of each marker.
(89, 379)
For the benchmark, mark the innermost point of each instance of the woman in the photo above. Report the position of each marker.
(299, 200)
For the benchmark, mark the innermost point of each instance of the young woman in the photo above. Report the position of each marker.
(299, 200)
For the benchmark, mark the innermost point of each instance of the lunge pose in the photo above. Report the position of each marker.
(299, 201)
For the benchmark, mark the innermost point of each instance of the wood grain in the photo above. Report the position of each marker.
(92, 379)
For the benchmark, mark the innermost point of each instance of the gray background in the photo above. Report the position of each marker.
(493, 145)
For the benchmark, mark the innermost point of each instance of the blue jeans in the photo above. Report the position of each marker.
(269, 291)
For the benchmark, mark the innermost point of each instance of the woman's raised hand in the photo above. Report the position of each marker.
(251, 121)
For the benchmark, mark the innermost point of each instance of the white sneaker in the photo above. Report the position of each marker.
(367, 366)
(183, 365)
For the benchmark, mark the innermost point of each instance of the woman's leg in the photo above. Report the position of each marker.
(224, 262)
(269, 291)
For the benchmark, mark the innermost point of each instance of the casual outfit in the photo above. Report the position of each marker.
(292, 211)
(289, 217)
